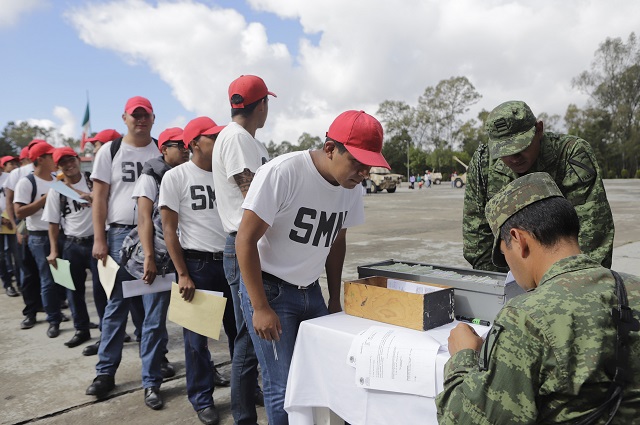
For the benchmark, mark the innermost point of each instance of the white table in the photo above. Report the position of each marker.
(320, 378)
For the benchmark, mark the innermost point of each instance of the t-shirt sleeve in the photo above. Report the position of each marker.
(147, 187)
(12, 181)
(240, 153)
(51, 211)
(102, 164)
(23, 191)
(169, 193)
(267, 193)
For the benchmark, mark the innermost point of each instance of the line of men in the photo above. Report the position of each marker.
(260, 232)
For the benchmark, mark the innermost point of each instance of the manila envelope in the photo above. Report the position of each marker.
(203, 315)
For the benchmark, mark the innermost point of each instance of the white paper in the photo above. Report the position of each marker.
(107, 274)
(413, 288)
(60, 187)
(509, 279)
(395, 360)
(131, 288)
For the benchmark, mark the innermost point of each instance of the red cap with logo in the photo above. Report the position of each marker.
(59, 153)
(40, 149)
(247, 89)
(5, 159)
(362, 135)
(138, 102)
(173, 134)
(201, 126)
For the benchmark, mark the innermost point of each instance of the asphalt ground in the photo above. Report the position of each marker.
(44, 382)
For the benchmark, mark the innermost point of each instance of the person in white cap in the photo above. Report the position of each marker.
(294, 225)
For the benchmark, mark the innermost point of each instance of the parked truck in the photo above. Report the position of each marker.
(461, 180)
(382, 179)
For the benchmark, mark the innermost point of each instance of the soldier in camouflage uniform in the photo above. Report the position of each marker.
(518, 146)
(545, 357)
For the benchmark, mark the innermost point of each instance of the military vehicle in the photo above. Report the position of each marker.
(382, 179)
(461, 180)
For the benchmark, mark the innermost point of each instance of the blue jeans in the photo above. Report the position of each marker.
(207, 275)
(154, 331)
(80, 259)
(244, 363)
(292, 305)
(50, 291)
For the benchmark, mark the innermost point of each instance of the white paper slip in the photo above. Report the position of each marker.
(131, 288)
(395, 360)
(411, 287)
(62, 188)
(107, 274)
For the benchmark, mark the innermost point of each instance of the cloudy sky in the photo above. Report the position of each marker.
(320, 57)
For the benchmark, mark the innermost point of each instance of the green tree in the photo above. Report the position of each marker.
(15, 136)
(394, 151)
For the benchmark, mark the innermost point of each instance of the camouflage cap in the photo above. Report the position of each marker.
(511, 127)
(515, 196)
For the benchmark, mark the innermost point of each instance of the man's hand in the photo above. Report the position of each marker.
(187, 288)
(150, 270)
(51, 259)
(462, 337)
(6, 222)
(267, 324)
(334, 306)
(100, 251)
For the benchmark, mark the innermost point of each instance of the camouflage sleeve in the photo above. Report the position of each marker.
(499, 384)
(477, 238)
(583, 186)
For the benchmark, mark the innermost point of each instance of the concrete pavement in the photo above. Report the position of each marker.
(43, 382)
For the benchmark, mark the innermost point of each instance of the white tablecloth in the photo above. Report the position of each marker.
(320, 377)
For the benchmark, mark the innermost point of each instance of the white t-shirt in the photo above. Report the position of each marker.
(235, 150)
(17, 174)
(78, 221)
(3, 196)
(304, 213)
(147, 187)
(121, 174)
(22, 195)
(188, 190)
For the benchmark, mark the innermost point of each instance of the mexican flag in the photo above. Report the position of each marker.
(86, 127)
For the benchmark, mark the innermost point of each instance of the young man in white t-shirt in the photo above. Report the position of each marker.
(294, 225)
(145, 193)
(7, 163)
(29, 201)
(236, 158)
(113, 181)
(188, 202)
(78, 241)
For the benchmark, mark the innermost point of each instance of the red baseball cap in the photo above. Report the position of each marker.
(8, 158)
(362, 135)
(59, 153)
(138, 102)
(40, 149)
(250, 89)
(24, 153)
(170, 134)
(105, 136)
(201, 126)
(35, 141)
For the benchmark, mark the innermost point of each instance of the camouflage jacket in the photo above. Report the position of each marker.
(572, 165)
(544, 359)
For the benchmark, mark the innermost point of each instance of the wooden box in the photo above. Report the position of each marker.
(372, 299)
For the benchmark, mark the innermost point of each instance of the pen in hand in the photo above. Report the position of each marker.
(473, 320)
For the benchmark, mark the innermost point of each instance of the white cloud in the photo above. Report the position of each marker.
(367, 51)
(63, 128)
(12, 10)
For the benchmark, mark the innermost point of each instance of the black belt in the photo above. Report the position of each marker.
(74, 239)
(275, 279)
(233, 234)
(118, 225)
(192, 254)
(38, 232)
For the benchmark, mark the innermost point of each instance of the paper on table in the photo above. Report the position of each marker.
(203, 315)
(395, 360)
(107, 274)
(131, 288)
(62, 275)
(62, 188)
(413, 288)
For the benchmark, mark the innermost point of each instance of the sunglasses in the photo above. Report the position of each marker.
(180, 146)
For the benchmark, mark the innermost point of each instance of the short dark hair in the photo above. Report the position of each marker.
(548, 221)
(341, 148)
(247, 110)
